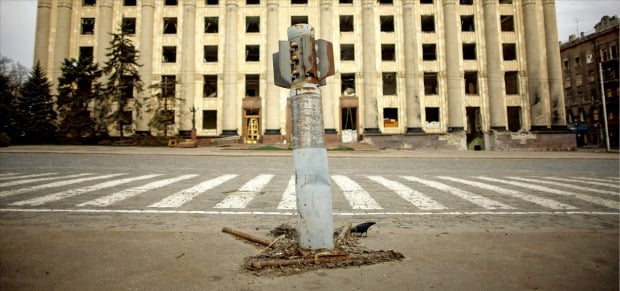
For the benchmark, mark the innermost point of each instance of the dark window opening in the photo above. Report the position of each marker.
(126, 87)
(252, 24)
(129, 25)
(209, 88)
(390, 117)
(299, 20)
(467, 23)
(348, 118)
(471, 83)
(388, 52)
(86, 52)
(387, 23)
(466, 2)
(389, 83)
(345, 1)
(127, 118)
(507, 22)
(385, 1)
(168, 86)
(505, 1)
(209, 119)
(347, 52)
(169, 54)
(432, 114)
(428, 23)
(213, 2)
(252, 86)
(346, 23)
(511, 81)
(299, 1)
(429, 52)
(431, 85)
(347, 84)
(426, 1)
(252, 2)
(170, 25)
(168, 117)
(252, 53)
(469, 51)
(88, 25)
(129, 3)
(170, 2)
(211, 25)
(210, 53)
(514, 118)
(89, 2)
(509, 51)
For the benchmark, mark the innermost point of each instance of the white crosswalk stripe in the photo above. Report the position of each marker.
(242, 197)
(128, 193)
(471, 197)
(572, 185)
(3, 175)
(591, 199)
(598, 182)
(289, 200)
(30, 181)
(414, 197)
(11, 192)
(13, 177)
(180, 198)
(517, 194)
(356, 195)
(73, 192)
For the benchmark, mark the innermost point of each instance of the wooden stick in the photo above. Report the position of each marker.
(272, 243)
(246, 236)
(346, 230)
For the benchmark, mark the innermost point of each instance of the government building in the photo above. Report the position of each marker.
(454, 74)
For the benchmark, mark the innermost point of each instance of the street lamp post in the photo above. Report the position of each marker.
(600, 72)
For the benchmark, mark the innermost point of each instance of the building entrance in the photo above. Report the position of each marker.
(251, 126)
(475, 138)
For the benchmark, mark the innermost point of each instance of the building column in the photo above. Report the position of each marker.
(188, 67)
(229, 115)
(369, 67)
(454, 78)
(42, 38)
(63, 35)
(497, 104)
(103, 30)
(272, 101)
(414, 118)
(558, 113)
(537, 73)
(146, 59)
(326, 19)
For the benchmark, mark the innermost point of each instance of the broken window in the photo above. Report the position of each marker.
(88, 26)
(129, 3)
(168, 86)
(471, 83)
(210, 53)
(514, 118)
(429, 52)
(89, 2)
(170, 2)
(507, 22)
(347, 52)
(213, 2)
(432, 116)
(431, 86)
(346, 23)
(169, 54)
(389, 83)
(129, 25)
(387, 23)
(170, 25)
(252, 2)
(209, 119)
(467, 23)
(388, 52)
(348, 118)
(390, 117)
(509, 51)
(209, 87)
(211, 25)
(252, 24)
(252, 53)
(511, 81)
(86, 52)
(428, 23)
(299, 20)
(466, 2)
(252, 86)
(469, 51)
(347, 84)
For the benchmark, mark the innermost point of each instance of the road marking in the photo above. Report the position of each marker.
(414, 197)
(599, 182)
(591, 199)
(12, 177)
(4, 175)
(471, 197)
(73, 192)
(55, 184)
(289, 199)
(356, 195)
(184, 196)
(565, 185)
(242, 197)
(27, 181)
(523, 196)
(128, 193)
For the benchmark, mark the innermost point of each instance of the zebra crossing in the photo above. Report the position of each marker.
(270, 192)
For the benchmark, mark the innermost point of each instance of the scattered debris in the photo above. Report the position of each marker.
(179, 256)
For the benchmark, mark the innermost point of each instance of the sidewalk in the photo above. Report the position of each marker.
(360, 152)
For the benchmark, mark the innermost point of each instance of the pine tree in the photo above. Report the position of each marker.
(35, 108)
(7, 109)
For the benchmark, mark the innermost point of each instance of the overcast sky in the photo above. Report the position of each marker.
(18, 21)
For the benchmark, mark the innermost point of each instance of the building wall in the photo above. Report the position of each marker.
(535, 96)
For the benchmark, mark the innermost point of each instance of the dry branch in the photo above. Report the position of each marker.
(246, 236)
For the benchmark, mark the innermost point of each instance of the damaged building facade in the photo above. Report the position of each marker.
(458, 74)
